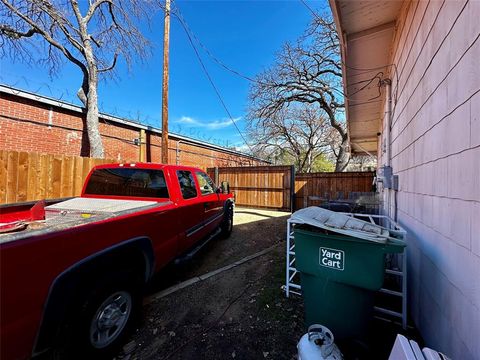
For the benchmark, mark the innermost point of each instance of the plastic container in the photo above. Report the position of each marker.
(339, 276)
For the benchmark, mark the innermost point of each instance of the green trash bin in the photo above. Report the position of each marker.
(339, 277)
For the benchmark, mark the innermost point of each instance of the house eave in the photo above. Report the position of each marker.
(367, 30)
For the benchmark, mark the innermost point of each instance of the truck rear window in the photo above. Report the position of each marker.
(128, 182)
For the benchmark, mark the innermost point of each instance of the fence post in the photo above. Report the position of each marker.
(292, 189)
(216, 175)
(142, 147)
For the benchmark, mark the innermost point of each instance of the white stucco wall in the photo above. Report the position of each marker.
(436, 153)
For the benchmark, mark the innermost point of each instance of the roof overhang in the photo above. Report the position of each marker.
(366, 31)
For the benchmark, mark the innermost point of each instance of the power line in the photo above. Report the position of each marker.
(208, 52)
(350, 67)
(369, 81)
(367, 84)
(311, 10)
(191, 37)
(226, 67)
(356, 68)
(217, 92)
(248, 78)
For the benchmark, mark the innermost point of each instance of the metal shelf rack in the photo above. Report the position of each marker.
(396, 266)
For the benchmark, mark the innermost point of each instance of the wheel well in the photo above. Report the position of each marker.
(71, 286)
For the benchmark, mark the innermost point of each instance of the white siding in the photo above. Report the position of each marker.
(436, 153)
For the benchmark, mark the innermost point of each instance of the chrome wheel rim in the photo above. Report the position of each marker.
(110, 319)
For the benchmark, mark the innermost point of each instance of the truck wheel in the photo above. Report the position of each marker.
(110, 319)
(227, 223)
(105, 318)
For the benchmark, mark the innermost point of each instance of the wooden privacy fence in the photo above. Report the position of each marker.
(312, 189)
(258, 186)
(271, 186)
(31, 176)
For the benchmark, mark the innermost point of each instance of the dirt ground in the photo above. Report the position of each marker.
(241, 313)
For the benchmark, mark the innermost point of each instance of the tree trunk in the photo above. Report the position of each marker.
(309, 162)
(89, 96)
(94, 138)
(343, 157)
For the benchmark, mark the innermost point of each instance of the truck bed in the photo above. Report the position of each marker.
(77, 212)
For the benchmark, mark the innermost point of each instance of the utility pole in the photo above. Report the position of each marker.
(166, 46)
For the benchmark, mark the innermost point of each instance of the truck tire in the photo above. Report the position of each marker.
(98, 327)
(227, 224)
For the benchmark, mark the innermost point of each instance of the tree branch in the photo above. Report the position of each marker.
(60, 21)
(45, 34)
(114, 62)
(15, 34)
(93, 8)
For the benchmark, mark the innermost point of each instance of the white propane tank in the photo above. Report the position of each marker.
(317, 344)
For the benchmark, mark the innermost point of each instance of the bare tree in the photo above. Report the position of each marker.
(92, 35)
(297, 133)
(308, 72)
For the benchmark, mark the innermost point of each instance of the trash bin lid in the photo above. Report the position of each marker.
(342, 224)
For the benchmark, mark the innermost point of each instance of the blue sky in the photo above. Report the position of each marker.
(245, 35)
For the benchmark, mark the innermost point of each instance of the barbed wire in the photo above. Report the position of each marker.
(39, 90)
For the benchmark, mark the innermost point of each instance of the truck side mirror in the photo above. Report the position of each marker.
(225, 187)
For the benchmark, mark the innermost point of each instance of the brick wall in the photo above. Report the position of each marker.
(35, 126)
(436, 153)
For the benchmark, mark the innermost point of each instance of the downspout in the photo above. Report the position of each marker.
(388, 116)
(388, 137)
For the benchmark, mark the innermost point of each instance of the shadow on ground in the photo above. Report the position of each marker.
(241, 313)
(254, 230)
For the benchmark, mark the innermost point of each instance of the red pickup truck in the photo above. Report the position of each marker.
(72, 272)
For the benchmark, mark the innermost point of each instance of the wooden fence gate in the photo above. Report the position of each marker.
(29, 176)
(271, 186)
(259, 186)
